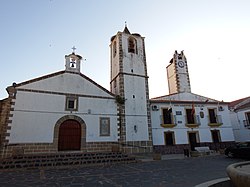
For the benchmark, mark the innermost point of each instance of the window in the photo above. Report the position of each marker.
(247, 121)
(212, 115)
(215, 136)
(190, 116)
(104, 126)
(131, 45)
(169, 138)
(115, 84)
(167, 116)
(114, 49)
(71, 103)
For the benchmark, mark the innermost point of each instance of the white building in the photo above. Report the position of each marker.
(240, 118)
(67, 111)
(184, 120)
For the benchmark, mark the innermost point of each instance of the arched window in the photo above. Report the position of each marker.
(114, 49)
(132, 45)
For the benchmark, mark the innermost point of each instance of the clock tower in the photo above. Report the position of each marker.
(178, 76)
(129, 82)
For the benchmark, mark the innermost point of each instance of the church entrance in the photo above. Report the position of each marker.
(69, 136)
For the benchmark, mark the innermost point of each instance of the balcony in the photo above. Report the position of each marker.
(246, 123)
(193, 121)
(168, 121)
(215, 121)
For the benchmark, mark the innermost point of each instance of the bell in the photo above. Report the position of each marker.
(72, 64)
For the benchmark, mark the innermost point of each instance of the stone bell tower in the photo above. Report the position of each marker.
(129, 82)
(177, 73)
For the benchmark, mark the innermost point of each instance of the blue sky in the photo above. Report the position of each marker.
(36, 35)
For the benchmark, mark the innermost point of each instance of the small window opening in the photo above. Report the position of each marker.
(131, 45)
(114, 49)
(71, 103)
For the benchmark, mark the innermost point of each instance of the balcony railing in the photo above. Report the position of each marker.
(168, 122)
(215, 122)
(193, 122)
(246, 123)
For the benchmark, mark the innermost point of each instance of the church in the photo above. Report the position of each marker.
(66, 111)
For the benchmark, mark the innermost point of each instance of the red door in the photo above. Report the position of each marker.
(69, 136)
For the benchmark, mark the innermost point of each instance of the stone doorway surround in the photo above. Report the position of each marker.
(83, 130)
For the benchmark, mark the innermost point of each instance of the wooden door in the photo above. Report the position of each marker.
(69, 136)
(192, 140)
(169, 138)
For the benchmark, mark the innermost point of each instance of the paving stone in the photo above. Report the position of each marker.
(184, 172)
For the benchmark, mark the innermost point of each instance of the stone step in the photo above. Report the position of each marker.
(65, 159)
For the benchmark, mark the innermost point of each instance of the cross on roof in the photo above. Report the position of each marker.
(73, 48)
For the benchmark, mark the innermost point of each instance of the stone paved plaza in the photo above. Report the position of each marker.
(174, 172)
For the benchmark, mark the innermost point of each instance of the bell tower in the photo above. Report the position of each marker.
(129, 82)
(177, 73)
(73, 62)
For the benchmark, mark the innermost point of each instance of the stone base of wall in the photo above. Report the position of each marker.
(179, 149)
(11, 150)
(137, 147)
(65, 160)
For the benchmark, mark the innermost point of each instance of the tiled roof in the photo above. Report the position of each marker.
(240, 103)
(236, 102)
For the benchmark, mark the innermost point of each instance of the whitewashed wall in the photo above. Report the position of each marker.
(181, 131)
(172, 78)
(67, 83)
(35, 114)
(135, 93)
(241, 133)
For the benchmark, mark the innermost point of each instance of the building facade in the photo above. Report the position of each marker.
(67, 111)
(184, 120)
(240, 117)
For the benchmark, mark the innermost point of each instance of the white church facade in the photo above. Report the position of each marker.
(67, 111)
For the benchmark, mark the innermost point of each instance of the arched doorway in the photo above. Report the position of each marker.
(69, 138)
